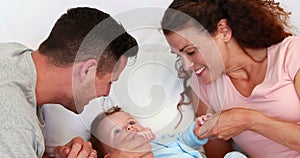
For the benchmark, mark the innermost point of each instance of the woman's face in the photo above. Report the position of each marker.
(198, 52)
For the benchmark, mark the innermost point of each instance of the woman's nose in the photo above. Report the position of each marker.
(187, 63)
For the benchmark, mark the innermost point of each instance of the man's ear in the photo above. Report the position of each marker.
(88, 67)
(224, 30)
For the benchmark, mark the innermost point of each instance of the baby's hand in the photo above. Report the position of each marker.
(147, 134)
(200, 121)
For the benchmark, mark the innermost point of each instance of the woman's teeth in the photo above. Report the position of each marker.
(198, 72)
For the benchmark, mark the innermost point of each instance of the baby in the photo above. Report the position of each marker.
(115, 126)
(118, 130)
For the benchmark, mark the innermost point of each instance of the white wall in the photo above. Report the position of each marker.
(293, 6)
(30, 21)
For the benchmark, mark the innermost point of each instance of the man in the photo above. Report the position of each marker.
(76, 63)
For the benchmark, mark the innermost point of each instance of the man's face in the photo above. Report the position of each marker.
(92, 87)
(96, 86)
(119, 67)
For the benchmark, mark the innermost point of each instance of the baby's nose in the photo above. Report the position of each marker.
(130, 128)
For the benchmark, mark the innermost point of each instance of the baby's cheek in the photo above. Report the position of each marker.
(117, 139)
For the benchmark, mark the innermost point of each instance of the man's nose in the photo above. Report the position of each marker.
(108, 87)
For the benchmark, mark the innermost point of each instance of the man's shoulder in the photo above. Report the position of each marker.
(11, 45)
(17, 71)
(12, 49)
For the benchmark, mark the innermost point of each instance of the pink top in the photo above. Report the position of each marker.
(275, 97)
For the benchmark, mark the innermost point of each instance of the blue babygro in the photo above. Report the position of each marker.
(178, 146)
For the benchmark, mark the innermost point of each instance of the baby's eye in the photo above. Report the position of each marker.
(177, 56)
(117, 131)
(132, 122)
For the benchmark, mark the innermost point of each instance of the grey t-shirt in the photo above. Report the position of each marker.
(20, 128)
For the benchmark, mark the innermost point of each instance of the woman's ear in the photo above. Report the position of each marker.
(88, 67)
(107, 155)
(224, 30)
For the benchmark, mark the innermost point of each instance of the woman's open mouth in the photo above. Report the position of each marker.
(200, 71)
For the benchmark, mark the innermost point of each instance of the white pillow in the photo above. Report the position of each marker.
(62, 125)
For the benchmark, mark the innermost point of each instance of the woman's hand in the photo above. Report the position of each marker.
(234, 121)
(231, 123)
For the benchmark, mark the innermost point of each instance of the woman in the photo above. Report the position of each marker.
(248, 68)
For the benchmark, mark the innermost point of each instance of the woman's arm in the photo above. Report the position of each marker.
(234, 121)
(285, 133)
(215, 148)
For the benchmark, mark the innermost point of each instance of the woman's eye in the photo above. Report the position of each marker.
(117, 131)
(190, 53)
(132, 122)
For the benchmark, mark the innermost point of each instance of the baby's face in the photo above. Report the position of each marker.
(121, 131)
(124, 121)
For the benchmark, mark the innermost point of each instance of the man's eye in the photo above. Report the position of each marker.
(117, 131)
(190, 53)
(132, 122)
